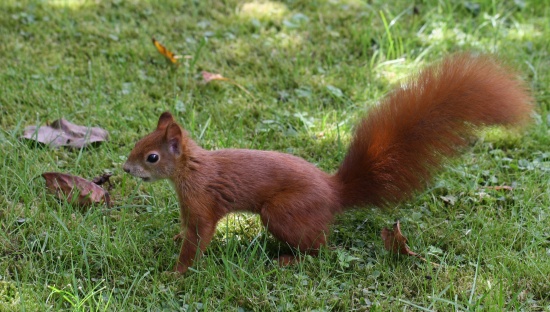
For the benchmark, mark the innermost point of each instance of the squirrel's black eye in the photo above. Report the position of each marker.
(153, 158)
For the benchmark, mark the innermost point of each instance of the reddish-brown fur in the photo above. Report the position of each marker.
(394, 152)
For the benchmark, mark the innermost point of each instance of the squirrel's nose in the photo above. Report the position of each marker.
(126, 168)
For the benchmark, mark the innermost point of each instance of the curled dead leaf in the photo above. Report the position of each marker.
(64, 133)
(75, 189)
(103, 179)
(164, 51)
(395, 242)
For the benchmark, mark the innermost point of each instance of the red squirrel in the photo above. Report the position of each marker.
(394, 152)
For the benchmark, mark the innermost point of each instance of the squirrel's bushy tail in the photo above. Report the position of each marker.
(404, 140)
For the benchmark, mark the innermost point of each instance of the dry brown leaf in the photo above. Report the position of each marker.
(207, 76)
(64, 133)
(164, 51)
(75, 189)
(395, 242)
(102, 179)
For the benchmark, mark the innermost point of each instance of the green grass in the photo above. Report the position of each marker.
(313, 68)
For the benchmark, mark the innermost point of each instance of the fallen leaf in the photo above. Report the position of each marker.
(75, 189)
(64, 133)
(395, 242)
(164, 51)
(207, 76)
(102, 179)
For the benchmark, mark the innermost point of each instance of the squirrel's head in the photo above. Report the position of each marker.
(156, 155)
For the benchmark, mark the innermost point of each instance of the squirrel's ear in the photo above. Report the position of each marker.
(164, 120)
(174, 138)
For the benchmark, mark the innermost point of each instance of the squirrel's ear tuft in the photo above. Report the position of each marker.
(174, 139)
(164, 120)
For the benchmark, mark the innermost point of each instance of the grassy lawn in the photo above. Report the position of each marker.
(311, 70)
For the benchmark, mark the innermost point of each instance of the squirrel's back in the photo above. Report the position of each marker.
(403, 140)
(249, 178)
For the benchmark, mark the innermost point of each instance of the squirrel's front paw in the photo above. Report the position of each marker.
(285, 260)
(171, 274)
(180, 269)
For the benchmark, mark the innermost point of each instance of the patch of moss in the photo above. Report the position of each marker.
(9, 296)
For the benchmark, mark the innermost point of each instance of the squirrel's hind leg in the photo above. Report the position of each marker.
(302, 228)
